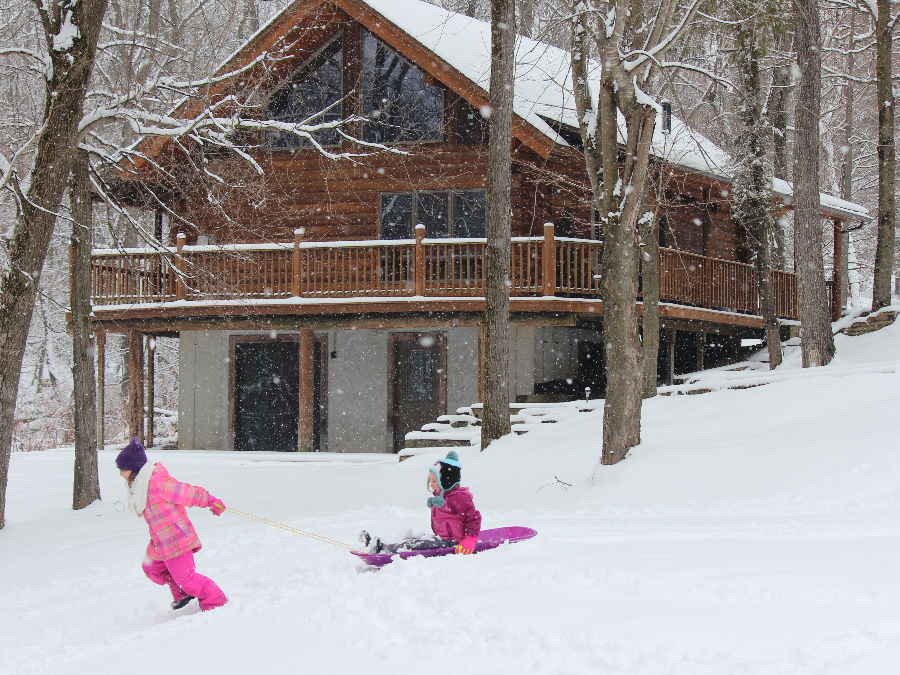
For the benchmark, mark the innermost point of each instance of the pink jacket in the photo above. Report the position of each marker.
(171, 532)
(458, 517)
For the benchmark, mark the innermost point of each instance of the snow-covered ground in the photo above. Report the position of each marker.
(753, 531)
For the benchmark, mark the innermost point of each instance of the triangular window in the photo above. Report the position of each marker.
(311, 96)
(398, 102)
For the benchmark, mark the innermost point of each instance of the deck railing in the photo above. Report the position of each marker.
(539, 266)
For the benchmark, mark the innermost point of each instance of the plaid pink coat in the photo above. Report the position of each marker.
(171, 532)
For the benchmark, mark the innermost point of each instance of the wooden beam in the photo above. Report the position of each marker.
(305, 423)
(136, 385)
(701, 348)
(837, 291)
(548, 261)
(151, 386)
(670, 356)
(481, 363)
(101, 386)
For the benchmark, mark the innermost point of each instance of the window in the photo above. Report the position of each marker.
(469, 216)
(472, 127)
(596, 225)
(456, 213)
(311, 96)
(420, 375)
(400, 106)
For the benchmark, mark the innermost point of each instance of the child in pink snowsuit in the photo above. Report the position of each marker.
(161, 500)
(453, 513)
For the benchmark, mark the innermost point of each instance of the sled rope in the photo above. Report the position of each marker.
(325, 540)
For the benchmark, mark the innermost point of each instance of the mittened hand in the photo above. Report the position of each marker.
(467, 545)
(217, 506)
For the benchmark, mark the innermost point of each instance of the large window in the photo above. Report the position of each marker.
(458, 213)
(400, 106)
(311, 96)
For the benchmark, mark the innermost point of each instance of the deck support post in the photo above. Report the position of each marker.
(481, 363)
(305, 423)
(101, 382)
(151, 385)
(295, 260)
(670, 356)
(419, 271)
(839, 282)
(701, 349)
(136, 385)
(548, 258)
(180, 287)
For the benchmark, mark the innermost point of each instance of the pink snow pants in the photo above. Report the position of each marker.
(181, 576)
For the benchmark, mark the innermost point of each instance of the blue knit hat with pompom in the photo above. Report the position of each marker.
(448, 472)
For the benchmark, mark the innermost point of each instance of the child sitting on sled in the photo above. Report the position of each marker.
(157, 497)
(455, 521)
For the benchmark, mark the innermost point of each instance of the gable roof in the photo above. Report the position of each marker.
(455, 50)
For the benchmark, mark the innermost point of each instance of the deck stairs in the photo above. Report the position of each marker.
(464, 428)
(871, 323)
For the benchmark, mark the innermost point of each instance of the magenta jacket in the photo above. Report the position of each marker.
(458, 517)
(171, 532)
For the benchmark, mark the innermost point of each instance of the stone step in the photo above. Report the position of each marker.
(871, 324)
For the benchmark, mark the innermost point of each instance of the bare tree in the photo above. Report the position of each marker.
(87, 481)
(495, 418)
(753, 206)
(887, 160)
(629, 66)
(817, 341)
(70, 33)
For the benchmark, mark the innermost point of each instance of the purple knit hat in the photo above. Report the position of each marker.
(133, 457)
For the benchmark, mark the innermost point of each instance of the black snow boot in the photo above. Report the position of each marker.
(181, 603)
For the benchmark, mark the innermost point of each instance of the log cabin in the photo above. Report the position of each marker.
(325, 282)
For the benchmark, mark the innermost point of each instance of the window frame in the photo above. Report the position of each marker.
(451, 209)
(286, 82)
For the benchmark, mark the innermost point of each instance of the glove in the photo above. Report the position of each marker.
(467, 545)
(217, 506)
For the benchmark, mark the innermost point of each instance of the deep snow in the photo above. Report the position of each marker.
(753, 531)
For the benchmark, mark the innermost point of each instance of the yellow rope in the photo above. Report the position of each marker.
(292, 529)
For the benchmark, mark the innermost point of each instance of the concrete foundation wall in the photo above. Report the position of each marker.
(203, 391)
(357, 391)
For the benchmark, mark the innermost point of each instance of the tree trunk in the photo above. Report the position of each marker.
(525, 13)
(817, 342)
(777, 107)
(87, 481)
(847, 168)
(495, 416)
(70, 70)
(887, 163)
(753, 208)
(624, 372)
(649, 231)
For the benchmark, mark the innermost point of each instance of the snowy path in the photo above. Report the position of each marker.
(753, 531)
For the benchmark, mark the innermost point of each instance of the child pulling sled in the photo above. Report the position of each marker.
(161, 500)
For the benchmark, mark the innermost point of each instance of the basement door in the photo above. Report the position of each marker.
(266, 396)
(419, 382)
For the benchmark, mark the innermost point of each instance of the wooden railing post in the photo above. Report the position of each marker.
(180, 287)
(837, 274)
(548, 264)
(101, 387)
(298, 237)
(420, 260)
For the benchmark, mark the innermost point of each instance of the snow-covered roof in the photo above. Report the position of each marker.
(543, 87)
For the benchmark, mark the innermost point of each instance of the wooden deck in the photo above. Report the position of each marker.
(416, 277)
